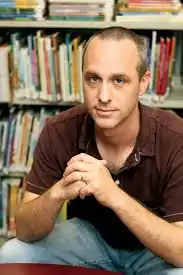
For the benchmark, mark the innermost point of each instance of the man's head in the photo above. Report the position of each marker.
(115, 74)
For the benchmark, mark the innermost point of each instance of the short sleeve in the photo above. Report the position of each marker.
(45, 170)
(172, 207)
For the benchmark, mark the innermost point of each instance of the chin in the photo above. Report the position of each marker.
(105, 123)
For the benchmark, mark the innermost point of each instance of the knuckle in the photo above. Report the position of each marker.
(73, 166)
(74, 175)
(81, 184)
(78, 188)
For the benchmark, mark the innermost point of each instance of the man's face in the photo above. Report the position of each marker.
(110, 81)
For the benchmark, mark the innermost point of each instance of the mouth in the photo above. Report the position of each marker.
(104, 111)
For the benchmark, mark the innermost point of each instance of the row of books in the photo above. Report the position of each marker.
(147, 8)
(84, 10)
(172, 5)
(19, 133)
(162, 57)
(149, 5)
(21, 9)
(48, 67)
(11, 191)
(166, 68)
(57, 9)
(95, 10)
(45, 67)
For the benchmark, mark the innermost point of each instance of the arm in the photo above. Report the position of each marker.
(39, 209)
(45, 193)
(162, 238)
(36, 216)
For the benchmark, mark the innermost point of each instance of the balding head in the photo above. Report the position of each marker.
(118, 34)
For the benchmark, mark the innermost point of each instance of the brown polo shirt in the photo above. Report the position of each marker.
(152, 174)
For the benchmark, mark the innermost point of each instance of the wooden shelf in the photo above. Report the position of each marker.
(9, 173)
(133, 22)
(174, 100)
(39, 103)
(13, 174)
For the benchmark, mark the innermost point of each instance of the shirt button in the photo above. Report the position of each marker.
(117, 182)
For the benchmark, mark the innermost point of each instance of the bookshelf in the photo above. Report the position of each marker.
(143, 23)
(25, 102)
(13, 174)
(168, 22)
(150, 23)
(174, 101)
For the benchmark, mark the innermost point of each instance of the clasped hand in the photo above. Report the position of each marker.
(92, 178)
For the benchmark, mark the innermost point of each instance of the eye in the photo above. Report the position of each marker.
(93, 79)
(119, 81)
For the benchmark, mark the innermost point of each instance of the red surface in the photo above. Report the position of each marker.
(47, 269)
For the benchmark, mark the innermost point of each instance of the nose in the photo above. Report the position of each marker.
(104, 94)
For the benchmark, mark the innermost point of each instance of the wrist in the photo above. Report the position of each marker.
(119, 200)
(57, 192)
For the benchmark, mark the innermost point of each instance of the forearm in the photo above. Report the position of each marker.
(36, 219)
(162, 238)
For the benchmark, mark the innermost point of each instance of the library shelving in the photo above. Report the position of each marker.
(159, 23)
(163, 24)
(168, 22)
(173, 101)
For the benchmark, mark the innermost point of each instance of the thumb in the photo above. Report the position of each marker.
(85, 192)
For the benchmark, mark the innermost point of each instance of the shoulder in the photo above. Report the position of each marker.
(165, 139)
(68, 120)
(63, 130)
(168, 123)
(72, 114)
(162, 132)
(168, 130)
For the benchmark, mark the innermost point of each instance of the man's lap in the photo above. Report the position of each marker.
(76, 242)
(73, 242)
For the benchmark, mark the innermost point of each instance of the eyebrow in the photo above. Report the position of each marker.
(115, 75)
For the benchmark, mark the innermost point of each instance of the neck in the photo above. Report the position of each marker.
(124, 135)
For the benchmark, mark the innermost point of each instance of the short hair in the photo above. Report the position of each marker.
(119, 33)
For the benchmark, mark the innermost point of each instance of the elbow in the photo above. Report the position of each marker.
(178, 263)
(23, 233)
(29, 235)
(177, 259)
(24, 239)
(24, 236)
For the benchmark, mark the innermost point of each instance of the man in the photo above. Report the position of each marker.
(118, 164)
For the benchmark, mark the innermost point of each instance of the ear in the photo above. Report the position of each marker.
(144, 83)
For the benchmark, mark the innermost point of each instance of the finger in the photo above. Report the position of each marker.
(103, 161)
(83, 157)
(83, 196)
(85, 191)
(77, 166)
(72, 191)
(74, 176)
(78, 185)
(81, 166)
